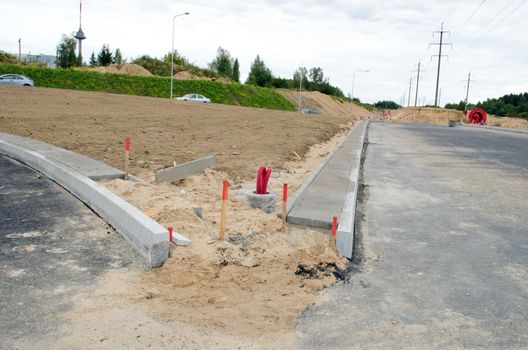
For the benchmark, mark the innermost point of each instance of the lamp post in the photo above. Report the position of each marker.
(172, 51)
(354, 78)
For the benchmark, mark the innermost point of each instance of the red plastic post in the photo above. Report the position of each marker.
(334, 226)
(225, 190)
(170, 234)
(285, 192)
(127, 144)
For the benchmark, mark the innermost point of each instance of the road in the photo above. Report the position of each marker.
(51, 248)
(442, 245)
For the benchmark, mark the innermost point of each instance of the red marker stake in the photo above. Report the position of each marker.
(170, 234)
(223, 215)
(127, 149)
(284, 205)
(334, 230)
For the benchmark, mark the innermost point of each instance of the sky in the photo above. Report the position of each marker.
(387, 38)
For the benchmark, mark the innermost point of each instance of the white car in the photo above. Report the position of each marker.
(16, 79)
(194, 98)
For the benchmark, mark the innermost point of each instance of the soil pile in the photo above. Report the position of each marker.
(127, 68)
(327, 105)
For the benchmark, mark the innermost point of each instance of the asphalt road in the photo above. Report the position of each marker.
(442, 245)
(51, 247)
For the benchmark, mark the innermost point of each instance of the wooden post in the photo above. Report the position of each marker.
(284, 206)
(223, 215)
(127, 149)
(334, 230)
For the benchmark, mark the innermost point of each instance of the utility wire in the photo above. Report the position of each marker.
(452, 11)
(495, 26)
(486, 23)
(469, 19)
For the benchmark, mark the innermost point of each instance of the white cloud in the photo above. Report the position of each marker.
(386, 37)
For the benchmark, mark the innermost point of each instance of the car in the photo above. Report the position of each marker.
(194, 98)
(16, 79)
(310, 111)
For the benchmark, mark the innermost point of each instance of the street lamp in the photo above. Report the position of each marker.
(354, 78)
(172, 51)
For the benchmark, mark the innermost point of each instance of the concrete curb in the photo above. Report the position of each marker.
(347, 216)
(148, 237)
(496, 128)
(294, 197)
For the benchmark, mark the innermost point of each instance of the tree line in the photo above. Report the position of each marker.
(512, 105)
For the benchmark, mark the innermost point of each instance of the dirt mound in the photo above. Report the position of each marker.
(186, 75)
(127, 68)
(325, 104)
(442, 116)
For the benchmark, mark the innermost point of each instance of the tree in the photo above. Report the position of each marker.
(118, 57)
(66, 52)
(259, 74)
(387, 105)
(236, 71)
(223, 63)
(179, 60)
(300, 75)
(104, 58)
(93, 60)
(316, 75)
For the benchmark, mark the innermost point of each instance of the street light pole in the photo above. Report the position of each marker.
(354, 78)
(172, 51)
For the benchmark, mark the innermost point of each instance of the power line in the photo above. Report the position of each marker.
(495, 26)
(451, 12)
(469, 19)
(440, 45)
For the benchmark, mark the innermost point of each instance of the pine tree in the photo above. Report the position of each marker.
(93, 60)
(236, 71)
(118, 57)
(223, 63)
(104, 58)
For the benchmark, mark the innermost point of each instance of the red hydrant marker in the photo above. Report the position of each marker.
(263, 175)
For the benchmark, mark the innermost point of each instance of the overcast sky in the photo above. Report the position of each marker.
(340, 36)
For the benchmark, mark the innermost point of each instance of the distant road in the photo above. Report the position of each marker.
(444, 236)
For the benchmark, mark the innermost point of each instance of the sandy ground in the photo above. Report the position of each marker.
(442, 116)
(163, 131)
(245, 292)
(325, 104)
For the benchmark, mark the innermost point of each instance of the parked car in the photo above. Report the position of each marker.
(194, 98)
(310, 111)
(16, 79)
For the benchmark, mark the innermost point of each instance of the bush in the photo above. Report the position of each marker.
(233, 94)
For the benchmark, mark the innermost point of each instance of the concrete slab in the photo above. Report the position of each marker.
(332, 192)
(181, 171)
(89, 167)
(497, 128)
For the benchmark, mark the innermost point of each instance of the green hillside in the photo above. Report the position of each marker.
(232, 94)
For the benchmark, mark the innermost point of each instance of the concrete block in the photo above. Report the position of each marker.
(148, 237)
(181, 171)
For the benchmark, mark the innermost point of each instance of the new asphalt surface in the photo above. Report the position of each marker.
(441, 251)
(51, 247)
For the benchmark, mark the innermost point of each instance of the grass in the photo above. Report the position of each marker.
(231, 94)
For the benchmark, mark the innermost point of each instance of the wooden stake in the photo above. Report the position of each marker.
(334, 230)
(127, 149)
(223, 215)
(284, 206)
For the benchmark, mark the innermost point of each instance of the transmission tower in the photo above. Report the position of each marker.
(467, 90)
(440, 45)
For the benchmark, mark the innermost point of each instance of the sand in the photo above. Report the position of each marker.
(244, 292)
(325, 104)
(126, 68)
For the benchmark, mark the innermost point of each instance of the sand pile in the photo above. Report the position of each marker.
(325, 104)
(254, 284)
(127, 68)
(186, 75)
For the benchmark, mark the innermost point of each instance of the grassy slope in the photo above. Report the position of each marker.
(233, 94)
